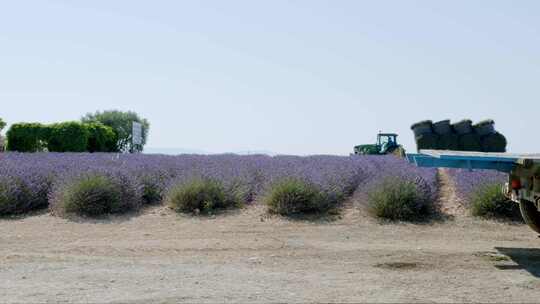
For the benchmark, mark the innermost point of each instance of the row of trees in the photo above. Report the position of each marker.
(108, 131)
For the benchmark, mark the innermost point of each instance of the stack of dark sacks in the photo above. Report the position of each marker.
(490, 139)
(468, 140)
(459, 136)
(448, 140)
(425, 138)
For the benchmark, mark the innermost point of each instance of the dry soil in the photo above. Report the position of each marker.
(248, 256)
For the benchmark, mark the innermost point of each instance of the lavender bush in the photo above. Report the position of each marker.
(395, 189)
(488, 201)
(378, 169)
(95, 193)
(480, 191)
(202, 196)
(22, 188)
(398, 199)
(292, 196)
(468, 183)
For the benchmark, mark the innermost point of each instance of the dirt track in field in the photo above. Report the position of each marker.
(448, 201)
(247, 256)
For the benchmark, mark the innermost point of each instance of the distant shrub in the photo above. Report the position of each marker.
(26, 137)
(295, 196)
(201, 195)
(67, 137)
(490, 202)
(101, 138)
(95, 194)
(398, 199)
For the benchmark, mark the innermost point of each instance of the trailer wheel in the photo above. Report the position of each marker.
(530, 214)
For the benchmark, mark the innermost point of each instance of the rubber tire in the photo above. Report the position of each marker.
(530, 215)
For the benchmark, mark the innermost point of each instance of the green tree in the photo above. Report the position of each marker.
(122, 124)
(2, 124)
(102, 138)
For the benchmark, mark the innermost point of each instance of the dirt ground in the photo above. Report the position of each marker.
(448, 201)
(247, 256)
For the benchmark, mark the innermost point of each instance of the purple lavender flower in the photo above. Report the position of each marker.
(37, 175)
(468, 182)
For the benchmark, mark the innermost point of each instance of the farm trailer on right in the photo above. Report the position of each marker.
(523, 186)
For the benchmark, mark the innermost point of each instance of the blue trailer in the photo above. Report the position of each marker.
(523, 186)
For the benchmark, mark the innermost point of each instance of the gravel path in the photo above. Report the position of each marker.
(448, 201)
(247, 256)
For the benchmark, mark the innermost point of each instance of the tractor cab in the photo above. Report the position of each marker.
(386, 144)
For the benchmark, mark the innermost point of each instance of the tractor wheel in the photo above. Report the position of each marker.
(530, 215)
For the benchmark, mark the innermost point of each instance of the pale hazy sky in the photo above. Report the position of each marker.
(298, 77)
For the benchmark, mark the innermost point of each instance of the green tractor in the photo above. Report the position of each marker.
(386, 144)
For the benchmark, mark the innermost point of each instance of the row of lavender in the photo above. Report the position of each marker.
(467, 183)
(30, 181)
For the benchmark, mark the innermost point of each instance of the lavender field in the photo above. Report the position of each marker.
(31, 181)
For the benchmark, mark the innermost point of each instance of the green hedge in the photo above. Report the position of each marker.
(67, 137)
(26, 137)
(61, 137)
